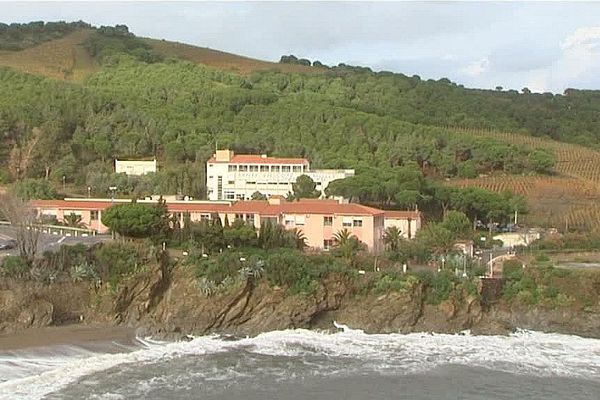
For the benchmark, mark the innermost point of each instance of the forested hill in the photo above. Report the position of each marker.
(118, 95)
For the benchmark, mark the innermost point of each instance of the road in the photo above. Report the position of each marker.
(49, 241)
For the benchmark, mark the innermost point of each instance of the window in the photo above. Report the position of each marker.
(204, 217)
(272, 183)
(300, 219)
(250, 183)
(232, 168)
(250, 218)
(347, 222)
(297, 168)
(357, 223)
(210, 177)
(285, 168)
(239, 217)
(327, 221)
(229, 195)
(231, 182)
(240, 196)
(264, 168)
(327, 244)
(243, 168)
(94, 215)
(253, 168)
(275, 168)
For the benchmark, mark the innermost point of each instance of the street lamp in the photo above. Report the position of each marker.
(64, 178)
(89, 192)
(113, 189)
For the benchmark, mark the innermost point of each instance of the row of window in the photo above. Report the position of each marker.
(327, 221)
(265, 168)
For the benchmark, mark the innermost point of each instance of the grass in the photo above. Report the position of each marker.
(63, 59)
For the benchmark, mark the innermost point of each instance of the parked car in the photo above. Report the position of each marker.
(8, 244)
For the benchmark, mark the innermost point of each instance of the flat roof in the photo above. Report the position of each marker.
(259, 159)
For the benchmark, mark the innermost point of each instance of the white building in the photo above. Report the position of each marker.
(135, 167)
(408, 222)
(231, 176)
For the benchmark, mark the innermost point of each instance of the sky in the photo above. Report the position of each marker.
(546, 47)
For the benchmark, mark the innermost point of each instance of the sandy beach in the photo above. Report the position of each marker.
(76, 335)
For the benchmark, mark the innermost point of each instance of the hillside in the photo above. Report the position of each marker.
(66, 58)
(99, 93)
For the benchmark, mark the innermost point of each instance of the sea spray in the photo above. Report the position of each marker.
(523, 352)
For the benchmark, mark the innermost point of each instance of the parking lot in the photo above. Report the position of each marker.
(48, 240)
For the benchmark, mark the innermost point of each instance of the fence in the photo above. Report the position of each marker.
(60, 230)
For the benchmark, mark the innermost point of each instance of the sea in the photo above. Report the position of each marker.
(303, 364)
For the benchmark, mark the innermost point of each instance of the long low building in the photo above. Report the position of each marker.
(319, 220)
(231, 176)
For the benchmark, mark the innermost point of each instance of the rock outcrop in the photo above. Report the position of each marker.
(170, 305)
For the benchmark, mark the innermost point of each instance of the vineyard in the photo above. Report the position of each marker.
(64, 58)
(562, 202)
(571, 159)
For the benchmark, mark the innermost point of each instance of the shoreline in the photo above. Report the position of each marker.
(96, 336)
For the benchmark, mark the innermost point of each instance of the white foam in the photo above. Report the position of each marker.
(522, 352)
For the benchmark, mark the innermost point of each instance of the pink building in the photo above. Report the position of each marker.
(319, 220)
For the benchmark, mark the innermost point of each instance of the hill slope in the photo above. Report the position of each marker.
(129, 96)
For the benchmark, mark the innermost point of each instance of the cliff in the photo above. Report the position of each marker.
(170, 305)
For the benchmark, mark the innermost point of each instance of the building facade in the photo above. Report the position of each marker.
(318, 220)
(135, 167)
(231, 176)
(408, 222)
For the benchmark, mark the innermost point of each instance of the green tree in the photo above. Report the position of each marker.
(392, 238)
(258, 196)
(458, 224)
(304, 188)
(541, 161)
(347, 245)
(137, 220)
(240, 234)
(34, 189)
(437, 238)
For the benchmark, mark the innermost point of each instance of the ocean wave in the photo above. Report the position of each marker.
(523, 352)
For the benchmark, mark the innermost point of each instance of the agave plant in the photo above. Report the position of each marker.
(73, 220)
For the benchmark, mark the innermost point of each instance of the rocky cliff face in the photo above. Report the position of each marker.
(171, 306)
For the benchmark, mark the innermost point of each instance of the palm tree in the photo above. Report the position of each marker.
(342, 237)
(392, 238)
(297, 238)
(346, 244)
(73, 220)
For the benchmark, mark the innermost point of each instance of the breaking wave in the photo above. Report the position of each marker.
(34, 375)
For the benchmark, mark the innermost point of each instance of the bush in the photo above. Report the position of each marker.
(115, 260)
(395, 282)
(512, 270)
(14, 267)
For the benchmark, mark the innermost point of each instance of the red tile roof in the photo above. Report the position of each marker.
(391, 214)
(258, 159)
(73, 204)
(241, 207)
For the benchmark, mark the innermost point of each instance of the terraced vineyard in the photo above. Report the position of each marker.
(561, 202)
(64, 58)
(571, 159)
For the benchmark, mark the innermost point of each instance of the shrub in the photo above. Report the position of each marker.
(512, 269)
(14, 267)
(115, 260)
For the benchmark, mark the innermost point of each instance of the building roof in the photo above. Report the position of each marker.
(393, 214)
(74, 204)
(261, 207)
(258, 159)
